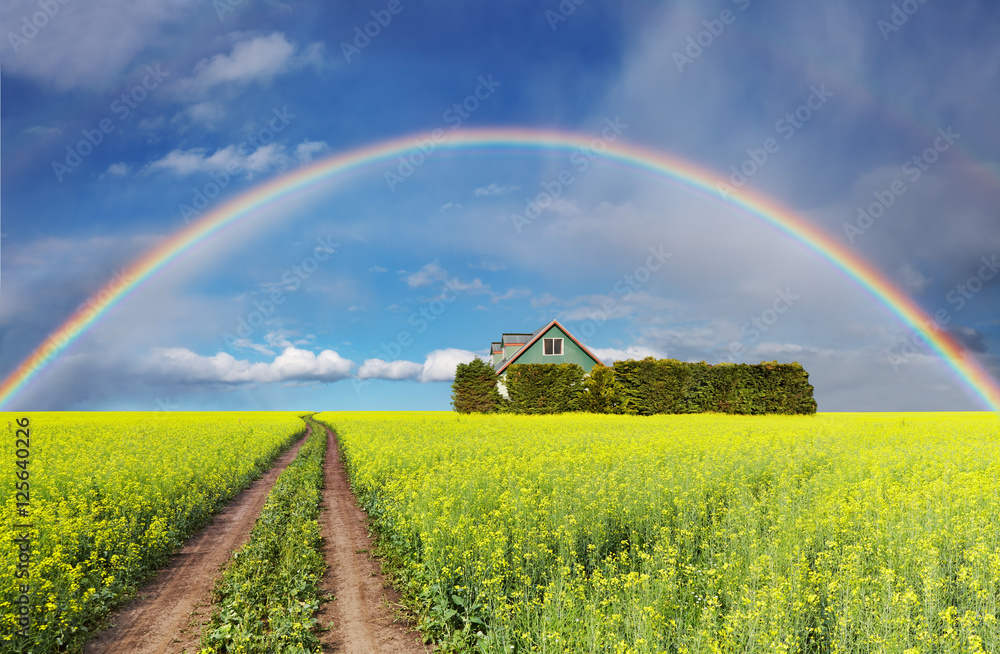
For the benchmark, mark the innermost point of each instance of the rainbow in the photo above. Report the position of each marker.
(281, 188)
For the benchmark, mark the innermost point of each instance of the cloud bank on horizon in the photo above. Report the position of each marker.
(123, 122)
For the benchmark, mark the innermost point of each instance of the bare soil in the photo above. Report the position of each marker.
(166, 615)
(364, 612)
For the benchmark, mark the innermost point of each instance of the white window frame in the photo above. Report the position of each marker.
(554, 353)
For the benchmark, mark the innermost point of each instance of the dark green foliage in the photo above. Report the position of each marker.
(475, 388)
(601, 393)
(645, 387)
(653, 386)
(544, 387)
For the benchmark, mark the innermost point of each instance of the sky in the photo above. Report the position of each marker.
(123, 122)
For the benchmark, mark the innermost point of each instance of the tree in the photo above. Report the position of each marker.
(601, 392)
(475, 388)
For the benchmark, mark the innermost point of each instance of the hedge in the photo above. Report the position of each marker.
(544, 387)
(651, 386)
(644, 387)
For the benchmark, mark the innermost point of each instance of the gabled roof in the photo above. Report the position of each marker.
(534, 337)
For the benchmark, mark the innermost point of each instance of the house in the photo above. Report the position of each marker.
(551, 344)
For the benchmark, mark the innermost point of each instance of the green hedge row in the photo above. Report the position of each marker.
(270, 590)
(651, 386)
(644, 387)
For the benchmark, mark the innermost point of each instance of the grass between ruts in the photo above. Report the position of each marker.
(269, 591)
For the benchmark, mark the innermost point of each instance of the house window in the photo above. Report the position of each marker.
(552, 346)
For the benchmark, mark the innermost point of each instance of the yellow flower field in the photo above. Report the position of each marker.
(111, 495)
(688, 533)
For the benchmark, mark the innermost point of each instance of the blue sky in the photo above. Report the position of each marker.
(173, 98)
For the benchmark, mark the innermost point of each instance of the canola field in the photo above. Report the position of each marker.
(689, 533)
(95, 501)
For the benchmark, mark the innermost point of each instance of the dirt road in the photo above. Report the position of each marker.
(363, 616)
(166, 616)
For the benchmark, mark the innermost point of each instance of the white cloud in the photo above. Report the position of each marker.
(377, 269)
(182, 365)
(608, 355)
(438, 366)
(259, 59)
(511, 294)
(429, 274)
(197, 160)
(380, 369)
(87, 44)
(118, 169)
(307, 150)
(495, 189)
(247, 344)
(780, 349)
(207, 113)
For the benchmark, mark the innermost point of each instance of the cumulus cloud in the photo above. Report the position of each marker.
(307, 150)
(182, 365)
(258, 59)
(86, 44)
(438, 366)
(269, 157)
(380, 369)
(429, 274)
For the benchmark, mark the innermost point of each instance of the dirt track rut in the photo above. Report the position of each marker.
(166, 616)
(363, 614)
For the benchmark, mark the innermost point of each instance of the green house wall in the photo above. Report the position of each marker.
(571, 351)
